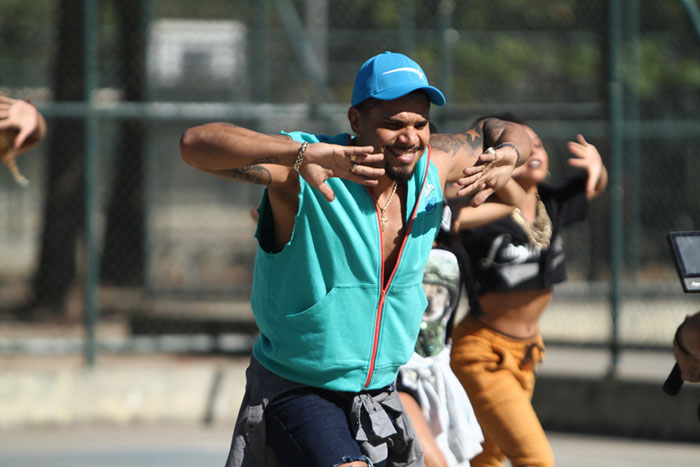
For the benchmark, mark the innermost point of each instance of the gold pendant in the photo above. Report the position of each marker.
(382, 215)
(384, 219)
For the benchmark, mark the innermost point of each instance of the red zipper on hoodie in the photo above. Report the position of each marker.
(385, 287)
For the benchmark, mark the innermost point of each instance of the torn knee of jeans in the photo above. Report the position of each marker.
(348, 459)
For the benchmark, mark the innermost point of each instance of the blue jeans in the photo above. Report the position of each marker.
(310, 427)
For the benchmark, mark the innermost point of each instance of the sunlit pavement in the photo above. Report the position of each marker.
(200, 446)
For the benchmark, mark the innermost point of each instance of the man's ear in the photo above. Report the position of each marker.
(354, 118)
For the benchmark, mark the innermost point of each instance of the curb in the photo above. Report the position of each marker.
(636, 409)
(199, 393)
(203, 391)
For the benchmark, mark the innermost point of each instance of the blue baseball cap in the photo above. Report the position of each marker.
(388, 76)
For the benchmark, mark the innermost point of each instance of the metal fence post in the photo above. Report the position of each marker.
(301, 45)
(147, 163)
(615, 109)
(446, 40)
(632, 149)
(259, 71)
(407, 26)
(316, 20)
(691, 8)
(91, 174)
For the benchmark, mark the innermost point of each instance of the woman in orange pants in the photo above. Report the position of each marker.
(515, 262)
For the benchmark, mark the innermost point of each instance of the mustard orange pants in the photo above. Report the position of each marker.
(498, 374)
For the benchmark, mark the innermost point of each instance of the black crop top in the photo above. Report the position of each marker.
(501, 256)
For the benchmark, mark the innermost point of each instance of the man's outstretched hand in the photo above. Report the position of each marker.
(323, 161)
(491, 171)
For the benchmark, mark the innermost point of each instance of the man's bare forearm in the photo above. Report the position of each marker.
(222, 147)
(470, 140)
(257, 174)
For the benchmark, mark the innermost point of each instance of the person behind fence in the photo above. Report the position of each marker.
(23, 120)
(515, 262)
(345, 226)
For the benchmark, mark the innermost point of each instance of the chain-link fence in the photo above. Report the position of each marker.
(115, 222)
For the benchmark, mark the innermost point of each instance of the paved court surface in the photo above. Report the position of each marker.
(197, 446)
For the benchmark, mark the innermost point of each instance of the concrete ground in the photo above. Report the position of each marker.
(203, 446)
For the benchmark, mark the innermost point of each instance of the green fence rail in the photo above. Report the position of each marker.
(179, 246)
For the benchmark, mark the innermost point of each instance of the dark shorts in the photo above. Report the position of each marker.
(311, 426)
(285, 423)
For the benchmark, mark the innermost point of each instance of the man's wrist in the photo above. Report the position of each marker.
(515, 148)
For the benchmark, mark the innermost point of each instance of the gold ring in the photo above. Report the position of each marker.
(353, 166)
(353, 157)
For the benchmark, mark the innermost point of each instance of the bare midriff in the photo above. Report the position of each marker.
(515, 313)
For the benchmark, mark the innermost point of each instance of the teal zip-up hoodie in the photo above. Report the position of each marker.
(325, 319)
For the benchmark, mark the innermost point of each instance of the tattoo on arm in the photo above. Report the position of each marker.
(452, 144)
(448, 144)
(474, 137)
(251, 174)
(256, 172)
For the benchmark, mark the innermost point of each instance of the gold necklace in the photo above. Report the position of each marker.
(382, 216)
(539, 233)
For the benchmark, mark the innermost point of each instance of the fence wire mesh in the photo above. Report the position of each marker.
(176, 247)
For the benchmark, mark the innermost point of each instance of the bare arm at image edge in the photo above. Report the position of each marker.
(22, 117)
(686, 347)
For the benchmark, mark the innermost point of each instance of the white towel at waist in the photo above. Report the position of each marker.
(445, 406)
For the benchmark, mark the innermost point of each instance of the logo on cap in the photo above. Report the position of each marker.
(412, 70)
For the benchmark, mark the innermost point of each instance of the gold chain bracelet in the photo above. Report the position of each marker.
(300, 156)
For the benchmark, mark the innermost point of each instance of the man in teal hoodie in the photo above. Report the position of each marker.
(345, 227)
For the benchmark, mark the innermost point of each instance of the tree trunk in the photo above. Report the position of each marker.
(63, 208)
(122, 260)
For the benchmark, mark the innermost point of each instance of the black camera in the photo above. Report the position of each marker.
(685, 247)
